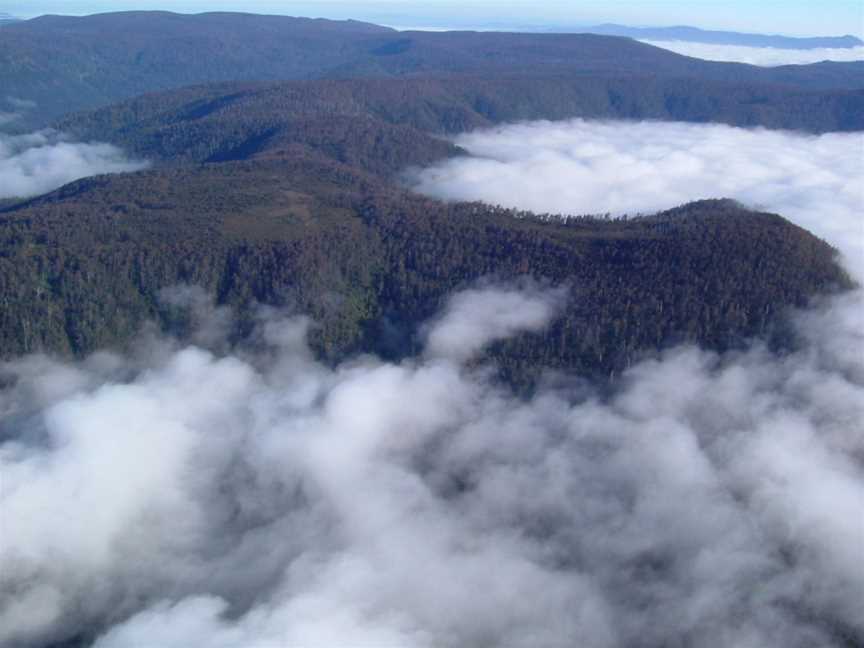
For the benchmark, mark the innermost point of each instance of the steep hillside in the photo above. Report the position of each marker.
(82, 268)
(386, 125)
(66, 63)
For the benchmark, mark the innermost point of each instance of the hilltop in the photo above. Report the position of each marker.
(82, 268)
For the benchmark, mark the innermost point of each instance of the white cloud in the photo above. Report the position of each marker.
(39, 162)
(763, 56)
(263, 499)
(18, 108)
(477, 317)
(583, 167)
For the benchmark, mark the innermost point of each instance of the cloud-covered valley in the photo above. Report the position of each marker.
(185, 495)
(763, 56)
(39, 162)
(593, 167)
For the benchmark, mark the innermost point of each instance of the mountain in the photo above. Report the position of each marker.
(696, 35)
(66, 64)
(290, 225)
(7, 19)
(255, 490)
(387, 125)
(286, 193)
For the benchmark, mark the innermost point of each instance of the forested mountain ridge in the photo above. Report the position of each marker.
(387, 125)
(286, 193)
(66, 63)
(82, 268)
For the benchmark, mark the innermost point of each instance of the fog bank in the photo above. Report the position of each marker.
(762, 56)
(38, 162)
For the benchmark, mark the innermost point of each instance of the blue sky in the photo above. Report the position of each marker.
(794, 17)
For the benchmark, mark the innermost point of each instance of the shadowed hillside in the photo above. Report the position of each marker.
(82, 267)
(384, 126)
(286, 194)
(67, 63)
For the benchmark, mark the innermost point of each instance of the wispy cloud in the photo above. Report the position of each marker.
(14, 109)
(39, 162)
(475, 318)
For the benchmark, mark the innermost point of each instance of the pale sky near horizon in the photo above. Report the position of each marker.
(792, 17)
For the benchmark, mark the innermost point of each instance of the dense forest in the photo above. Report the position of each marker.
(386, 125)
(218, 482)
(287, 192)
(82, 268)
(67, 63)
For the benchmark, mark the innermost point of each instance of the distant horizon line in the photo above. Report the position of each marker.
(442, 27)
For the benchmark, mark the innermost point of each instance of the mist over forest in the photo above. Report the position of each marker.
(417, 346)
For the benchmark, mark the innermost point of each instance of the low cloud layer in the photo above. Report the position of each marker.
(39, 162)
(261, 499)
(763, 56)
(590, 167)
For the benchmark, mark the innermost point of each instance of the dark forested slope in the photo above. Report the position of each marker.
(68, 63)
(386, 125)
(82, 268)
(282, 193)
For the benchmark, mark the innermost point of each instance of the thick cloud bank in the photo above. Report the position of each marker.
(39, 162)
(763, 56)
(585, 167)
(261, 499)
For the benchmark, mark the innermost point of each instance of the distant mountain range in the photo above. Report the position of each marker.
(696, 35)
(66, 64)
(7, 19)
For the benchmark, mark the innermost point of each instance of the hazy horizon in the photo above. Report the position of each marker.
(795, 18)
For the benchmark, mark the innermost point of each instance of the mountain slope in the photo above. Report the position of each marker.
(66, 64)
(387, 124)
(82, 268)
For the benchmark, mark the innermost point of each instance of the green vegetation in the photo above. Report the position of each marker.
(82, 268)
(384, 126)
(282, 192)
(66, 64)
